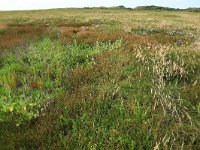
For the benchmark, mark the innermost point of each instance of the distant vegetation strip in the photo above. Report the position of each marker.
(151, 7)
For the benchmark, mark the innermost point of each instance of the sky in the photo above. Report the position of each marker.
(46, 4)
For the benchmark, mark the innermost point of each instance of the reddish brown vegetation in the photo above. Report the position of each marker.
(73, 24)
(89, 36)
(18, 36)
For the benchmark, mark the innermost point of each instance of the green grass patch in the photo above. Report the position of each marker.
(28, 80)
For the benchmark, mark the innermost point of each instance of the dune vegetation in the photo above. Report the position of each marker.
(99, 79)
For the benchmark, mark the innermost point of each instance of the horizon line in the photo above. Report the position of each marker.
(52, 8)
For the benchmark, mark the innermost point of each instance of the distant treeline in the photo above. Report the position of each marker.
(114, 7)
(152, 7)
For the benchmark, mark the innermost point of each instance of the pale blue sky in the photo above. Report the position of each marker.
(44, 4)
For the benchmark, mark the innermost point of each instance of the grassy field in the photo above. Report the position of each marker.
(99, 79)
